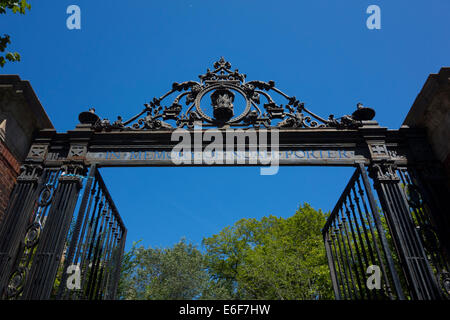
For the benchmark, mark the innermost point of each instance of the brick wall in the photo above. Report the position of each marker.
(9, 169)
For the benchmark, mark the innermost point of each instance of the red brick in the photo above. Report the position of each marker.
(9, 170)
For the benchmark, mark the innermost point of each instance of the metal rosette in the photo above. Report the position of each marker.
(16, 282)
(218, 86)
(33, 234)
(444, 278)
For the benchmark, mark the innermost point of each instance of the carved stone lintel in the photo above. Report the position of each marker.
(38, 152)
(378, 150)
(77, 151)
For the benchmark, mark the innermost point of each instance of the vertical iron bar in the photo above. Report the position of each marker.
(76, 232)
(384, 243)
(355, 241)
(330, 259)
(118, 266)
(374, 237)
(344, 260)
(349, 259)
(341, 272)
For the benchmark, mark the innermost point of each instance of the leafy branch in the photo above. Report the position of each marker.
(16, 6)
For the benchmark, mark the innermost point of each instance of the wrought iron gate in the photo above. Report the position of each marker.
(401, 242)
(402, 227)
(54, 244)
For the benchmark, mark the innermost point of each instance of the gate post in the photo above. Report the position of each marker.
(48, 255)
(19, 213)
(47, 259)
(421, 281)
(52, 244)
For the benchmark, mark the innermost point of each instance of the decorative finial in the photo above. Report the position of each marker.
(363, 113)
(88, 117)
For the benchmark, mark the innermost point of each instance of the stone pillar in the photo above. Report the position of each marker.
(431, 112)
(21, 116)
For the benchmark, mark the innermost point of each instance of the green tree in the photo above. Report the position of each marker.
(125, 287)
(16, 6)
(274, 258)
(167, 274)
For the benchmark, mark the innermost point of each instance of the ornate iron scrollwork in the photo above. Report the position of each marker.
(223, 85)
(33, 235)
(384, 171)
(30, 172)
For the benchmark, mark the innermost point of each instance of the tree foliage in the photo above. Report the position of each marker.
(16, 6)
(176, 273)
(272, 258)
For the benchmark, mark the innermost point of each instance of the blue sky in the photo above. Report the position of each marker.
(128, 52)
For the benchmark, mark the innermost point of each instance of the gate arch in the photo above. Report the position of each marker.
(45, 229)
